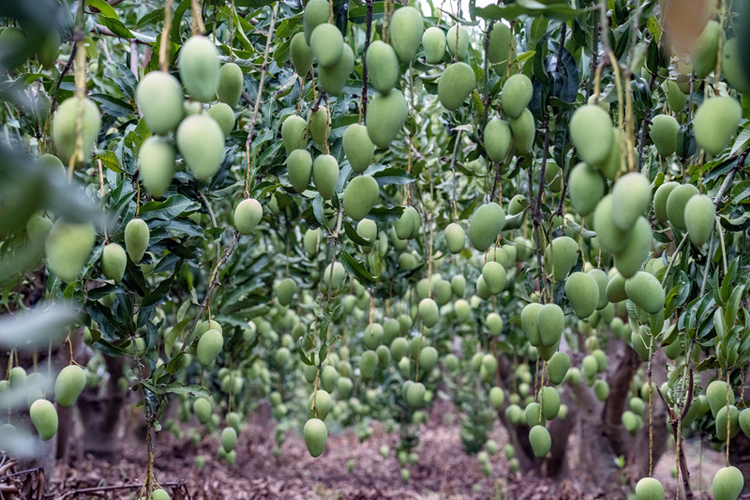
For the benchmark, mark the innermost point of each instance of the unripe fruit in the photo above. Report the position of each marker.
(69, 384)
(433, 41)
(561, 254)
(160, 494)
(558, 366)
(529, 317)
(676, 203)
(582, 293)
(247, 215)
(137, 235)
(360, 195)
(516, 95)
(497, 397)
(550, 402)
(611, 238)
(228, 439)
(294, 133)
(602, 280)
(199, 68)
(635, 253)
(201, 143)
(613, 164)
(382, 66)
(455, 238)
(209, 346)
(318, 126)
(601, 389)
(442, 292)
(160, 99)
(664, 130)
(630, 422)
(406, 29)
(591, 134)
(731, 65)
(386, 115)
(316, 435)
(458, 37)
(497, 137)
(646, 292)
(699, 218)
(660, 200)
(37, 229)
(498, 52)
(415, 394)
(493, 321)
(716, 392)
(534, 415)
(704, 52)
(649, 488)
(631, 197)
(540, 441)
(223, 115)
(455, 85)
(744, 421)
(399, 346)
(323, 403)
(429, 312)
(550, 322)
(67, 248)
(523, 130)
(301, 54)
(327, 44)
(486, 224)
(285, 291)
(231, 83)
(373, 336)
(721, 422)
(325, 173)
(715, 123)
(335, 274)
(728, 483)
(316, 12)
(358, 147)
(64, 128)
(428, 358)
(157, 164)
(675, 97)
(586, 188)
(458, 284)
(367, 364)
(494, 277)
(333, 79)
(114, 260)
(44, 417)
(202, 410)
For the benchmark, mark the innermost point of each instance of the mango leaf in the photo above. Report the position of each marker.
(195, 391)
(104, 8)
(355, 268)
(356, 238)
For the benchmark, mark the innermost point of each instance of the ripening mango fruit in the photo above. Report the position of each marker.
(457, 40)
(247, 215)
(360, 196)
(455, 238)
(311, 241)
(523, 131)
(318, 126)
(160, 99)
(335, 275)
(114, 261)
(428, 358)
(498, 51)
(316, 12)
(497, 137)
(660, 200)
(493, 322)
(44, 417)
(358, 147)
(327, 44)
(201, 143)
(529, 316)
(223, 114)
(325, 174)
(299, 166)
(399, 346)
(664, 130)
(704, 51)
(540, 441)
(494, 277)
(649, 488)
(550, 321)
(591, 134)
(728, 483)
(677, 201)
(67, 248)
(744, 421)
(209, 346)
(602, 280)
(558, 366)
(699, 218)
(675, 97)
(731, 65)
(586, 186)
(156, 160)
(455, 85)
(333, 78)
(228, 439)
(582, 293)
(136, 239)
(199, 68)
(636, 251)
(323, 403)
(373, 336)
(721, 422)
(386, 115)
(715, 123)
(631, 197)
(486, 224)
(550, 402)
(202, 410)
(294, 133)
(429, 312)
(316, 435)
(69, 384)
(611, 238)
(64, 128)
(716, 392)
(646, 292)
(406, 29)
(231, 83)
(415, 394)
(382, 66)
(160, 494)
(285, 291)
(560, 257)
(301, 54)
(516, 95)
(433, 42)
(613, 164)
(367, 364)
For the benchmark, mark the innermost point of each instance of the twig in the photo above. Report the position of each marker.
(453, 171)
(646, 120)
(368, 22)
(212, 216)
(100, 29)
(487, 96)
(64, 71)
(683, 461)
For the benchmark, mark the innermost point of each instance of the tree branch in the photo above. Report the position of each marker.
(368, 35)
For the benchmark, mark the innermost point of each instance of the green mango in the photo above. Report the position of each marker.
(433, 41)
(428, 358)
(731, 65)
(715, 123)
(494, 277)
(540, 441)
(631, 197)
(301, 54)
(582, 293)
(523, 131)
(209, 347)
(429, 312)
(231, 83)
(455, 85)
(705, 49)
(316, 12)
(728, 483)
(699, 218)
(660, 200)
(316, 435)
(382, 66)
(455, 238)
(67, 248)
(360, 196)
(228, 439)
(498, 50)
(675, 98)
(676, 203)
(318, 126)
(550, 321)
(223, 114)
(114, 261)
(326, 44)
(367, 364)
(516, 95)
(602, 280)
(613, 164)
(557, 367)
(294, 133)
(286, 289)
(586, 188)
(561, 255)
(325, 174)
(616, 289)
(335, 275)
(457, 40)
(299, 168)
(333, 79)
(485, 225)
(631, 258)
(137, 235)
(44, 417)
(202, 410)
(497, 137)
(200, 140)
(664, 130)
(64, 128)
(550, 402)
(199, 68)
(591, 133)
(156, 160)
(247, 215)
(160, 99)
(716, 392)
(721, 423)
(649, 488)
(69, 384)
(529, 316)
(323, 404)
(385, 116)
(406, 28)
(358, 147)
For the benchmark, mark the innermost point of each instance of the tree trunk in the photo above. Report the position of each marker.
(101, 414)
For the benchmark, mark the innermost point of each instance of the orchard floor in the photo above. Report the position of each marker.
(444, 471)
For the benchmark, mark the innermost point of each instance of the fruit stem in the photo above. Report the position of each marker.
(728, 417)
(164, 43)
(198, 28)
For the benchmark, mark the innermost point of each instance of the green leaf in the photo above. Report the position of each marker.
(175, 333)
(353, 235)
(168, 209)
(355, 268)
(195, 391)
(116, 27)
(392, 175)
(733, 305)
(719, 324)
(104, 8)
